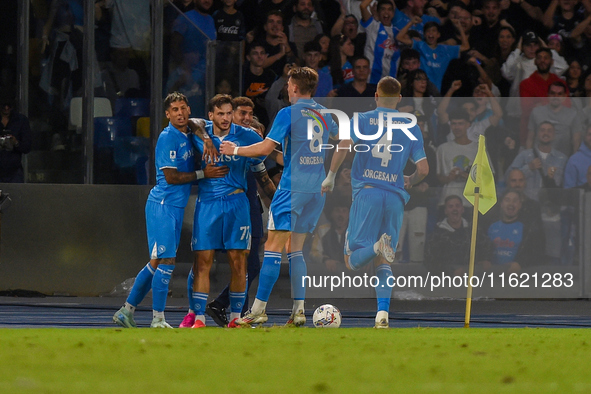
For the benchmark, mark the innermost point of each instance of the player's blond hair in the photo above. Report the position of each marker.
(305, 78)
(389, 87)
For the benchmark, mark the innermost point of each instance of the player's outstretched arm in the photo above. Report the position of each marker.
(263, 148)
(337, 159)
(197, 127)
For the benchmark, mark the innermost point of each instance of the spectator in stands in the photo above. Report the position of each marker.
(276, 44)
(413, 10)
(567, 122)
(328, 12)
(416, 97)
(533, 89)
(580, 38)
(130, 25)
(184, 5)
(522, 15)
(488, 31)
(229, 22)
(348, 25)
(448, 29)
(516, 242)
(260, 9)
(304, 26)
(358, 88)
(312, 58)
(120, 80)
(484, 110)
(341, 50)
(520, 65)
(324, 41)
(410, 60)
(186, 38)
(434, 57)
(257, 80)
(381, 46)
(505, 45)
(16, 140)
(555, 42)
(455, 158)
(448, 248)
(574, 79)
(542, 165)
(530, 207)
(575, 172)
(562, 16)
(531, 210)
(464, 17)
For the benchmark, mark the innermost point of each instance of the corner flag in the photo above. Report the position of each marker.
(481, 177)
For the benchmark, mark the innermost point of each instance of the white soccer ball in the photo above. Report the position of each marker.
(327, 316)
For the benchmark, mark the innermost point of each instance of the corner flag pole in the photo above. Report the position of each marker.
(481, 192)
(472, 255)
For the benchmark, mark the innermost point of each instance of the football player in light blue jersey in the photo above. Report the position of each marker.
(379, 193)
(243, 116)
(298, 203)
(222, 213)
(175, 172)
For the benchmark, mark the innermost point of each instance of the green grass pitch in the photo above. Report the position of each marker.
(307, 360)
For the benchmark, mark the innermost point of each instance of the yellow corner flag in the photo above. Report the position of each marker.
(481, 177)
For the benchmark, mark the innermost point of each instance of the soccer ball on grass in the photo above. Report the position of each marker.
(327, 316)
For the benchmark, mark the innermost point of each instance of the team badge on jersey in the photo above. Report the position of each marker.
(173, 154)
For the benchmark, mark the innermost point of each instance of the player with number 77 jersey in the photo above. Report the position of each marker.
(379, 193)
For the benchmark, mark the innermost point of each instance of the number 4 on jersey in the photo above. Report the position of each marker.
(380, 150)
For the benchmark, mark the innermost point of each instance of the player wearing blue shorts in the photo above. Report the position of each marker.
(379, 193)
(222, 214)
(298, 203)
(175, 172)
(243, 116)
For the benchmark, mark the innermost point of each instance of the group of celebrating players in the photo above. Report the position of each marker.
(230, 154)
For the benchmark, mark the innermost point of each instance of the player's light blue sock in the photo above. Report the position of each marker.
(199, 302)
(237, 301)
(141, 285)
(269, 275)
(190, 280)
(383, 291)
(361, 257)
(297, 270)
(160, 286)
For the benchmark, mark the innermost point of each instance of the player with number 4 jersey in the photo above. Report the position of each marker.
(378, 182)
(298, 202)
